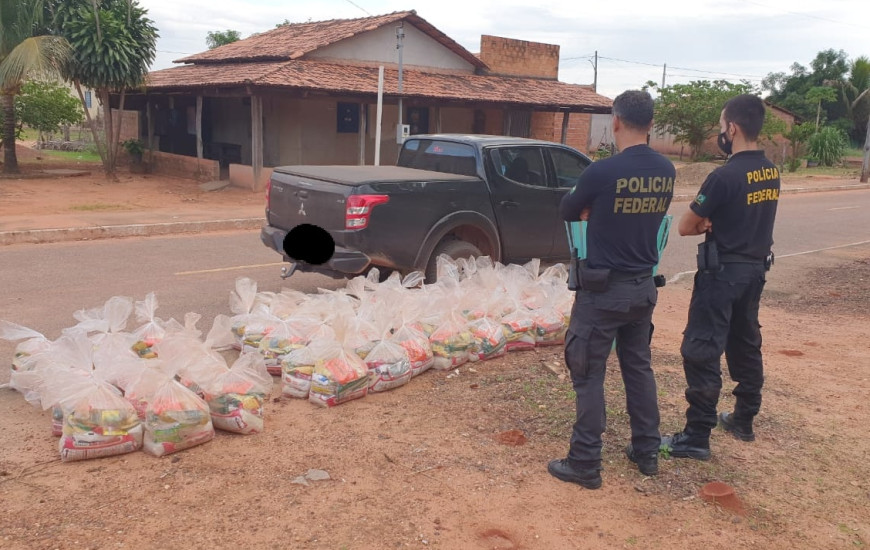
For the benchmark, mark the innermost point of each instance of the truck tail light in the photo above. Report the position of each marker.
(359, 208)
(268, 191)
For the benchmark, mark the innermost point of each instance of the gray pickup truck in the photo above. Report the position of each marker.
(460, 195)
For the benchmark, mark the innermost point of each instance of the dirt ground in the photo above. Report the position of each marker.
(430, 464)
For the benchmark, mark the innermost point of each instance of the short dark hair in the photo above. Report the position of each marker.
(634, 108)
(746, 111)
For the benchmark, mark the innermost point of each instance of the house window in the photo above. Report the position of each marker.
(88, 99)
(418, 120)
(348, 118)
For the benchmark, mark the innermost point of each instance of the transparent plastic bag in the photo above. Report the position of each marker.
(417, 346)
(175, 419)
(339, 376)
(488, 340)
(100, 423)
(389, 365)
(450, 342)
(34, 343)
(287, 336)
(520, 330)
(152, 331)
(236, 398)
(98, 322)
(550, 327)
(298, 367)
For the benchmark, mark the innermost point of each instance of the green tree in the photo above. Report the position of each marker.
(797, 137)
(856, 96)
(24, 51)
(690, 112)
(817, 95)
(113, 45)
(46, 106)
(828, 68)
(215, 39)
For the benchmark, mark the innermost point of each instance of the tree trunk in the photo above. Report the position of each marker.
(10, 160)
(109, 165)
(91, 123)
(117, 137)
(865, 166)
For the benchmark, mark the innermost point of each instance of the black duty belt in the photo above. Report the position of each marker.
(623, 276)
(739, 259)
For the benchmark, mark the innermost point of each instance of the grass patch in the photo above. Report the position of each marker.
(96, 207)
(836, 171)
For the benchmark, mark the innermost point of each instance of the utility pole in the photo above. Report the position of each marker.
(865, 166)
(400, 37)
(595, 67)
(664, 74)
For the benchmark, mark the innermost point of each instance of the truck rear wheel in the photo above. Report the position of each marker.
(453, 248)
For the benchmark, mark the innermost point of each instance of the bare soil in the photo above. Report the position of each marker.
(459, 462)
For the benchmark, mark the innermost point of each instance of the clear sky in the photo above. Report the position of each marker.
(730, 39)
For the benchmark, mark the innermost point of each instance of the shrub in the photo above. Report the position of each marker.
(828, 145)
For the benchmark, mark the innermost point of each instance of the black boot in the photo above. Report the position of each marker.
(687, 445)
(647, 463)
(740, 430)
(590, 478)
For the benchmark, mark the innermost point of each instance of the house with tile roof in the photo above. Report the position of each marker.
(307, 93)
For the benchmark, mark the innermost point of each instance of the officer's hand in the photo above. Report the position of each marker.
(704, 226)
(584, 215)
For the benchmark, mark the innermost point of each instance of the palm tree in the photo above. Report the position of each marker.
(23, 53)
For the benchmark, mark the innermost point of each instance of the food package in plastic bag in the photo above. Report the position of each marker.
(361, 337)
(236, 398)
(288, 335)
(175, 419)
(100, 423)
(417, 345)
(520, 330)
(196, 363)
(450, 342)
(152, 331)
(242, 301)
(488, 340)
(550, 327)
(389, 365)
(298, 367)
(34, 343)
(338, 377)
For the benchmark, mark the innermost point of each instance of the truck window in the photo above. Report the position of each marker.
(438, 156)
(568, 167)
(520, 164)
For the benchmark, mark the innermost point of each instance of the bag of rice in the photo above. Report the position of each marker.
(175, 419)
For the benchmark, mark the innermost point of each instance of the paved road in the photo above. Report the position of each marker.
(44, 284)
(805, 222)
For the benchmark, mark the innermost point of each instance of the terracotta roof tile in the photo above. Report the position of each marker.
(359, 79)
(295, 40)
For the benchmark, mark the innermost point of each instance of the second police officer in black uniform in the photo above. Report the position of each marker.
(735, 208)
(624, 199)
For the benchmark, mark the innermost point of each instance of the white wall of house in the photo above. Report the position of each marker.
(379, 45)
(601, 131)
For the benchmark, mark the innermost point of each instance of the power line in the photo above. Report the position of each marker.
(627, 61)
(358, 6)
(717, 72)
(170, 51)
(807, 15)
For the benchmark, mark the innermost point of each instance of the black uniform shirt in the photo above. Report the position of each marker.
(740, 199)
(628, 195)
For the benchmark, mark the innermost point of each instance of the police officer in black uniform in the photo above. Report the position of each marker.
(624, 199)
(735, 208)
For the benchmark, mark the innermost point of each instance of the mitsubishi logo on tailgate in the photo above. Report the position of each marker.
(302, 209)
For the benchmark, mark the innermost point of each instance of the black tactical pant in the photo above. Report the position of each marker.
(624, 311)
(723, 316)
